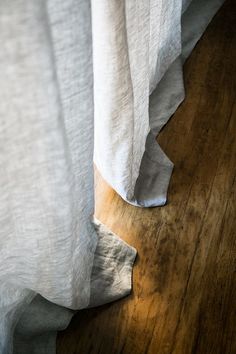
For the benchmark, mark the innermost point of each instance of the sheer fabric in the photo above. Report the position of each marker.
(139, 50)
(48, 239)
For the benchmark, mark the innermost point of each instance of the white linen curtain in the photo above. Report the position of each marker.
(139, 49)
(57, 58)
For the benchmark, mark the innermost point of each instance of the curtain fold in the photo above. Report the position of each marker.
(48, 239)
(80, 83)
(142, 75)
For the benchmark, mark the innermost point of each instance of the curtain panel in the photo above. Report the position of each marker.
(80, 82)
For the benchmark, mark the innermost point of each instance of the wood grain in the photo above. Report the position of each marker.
(184, 282)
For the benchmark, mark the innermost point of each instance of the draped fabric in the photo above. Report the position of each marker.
(48, 239)
(78, 83)
(139, 50)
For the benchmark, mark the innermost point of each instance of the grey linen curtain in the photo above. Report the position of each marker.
(78, 82)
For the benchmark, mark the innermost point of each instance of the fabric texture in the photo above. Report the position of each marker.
(139, 51)
(35, 333)
(48, 239)
(77, 83)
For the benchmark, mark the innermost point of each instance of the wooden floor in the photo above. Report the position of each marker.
(184, 280)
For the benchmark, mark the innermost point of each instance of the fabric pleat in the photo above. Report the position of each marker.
(139, 65)
(48, 238)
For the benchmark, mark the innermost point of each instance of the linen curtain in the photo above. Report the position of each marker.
(78, 82)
